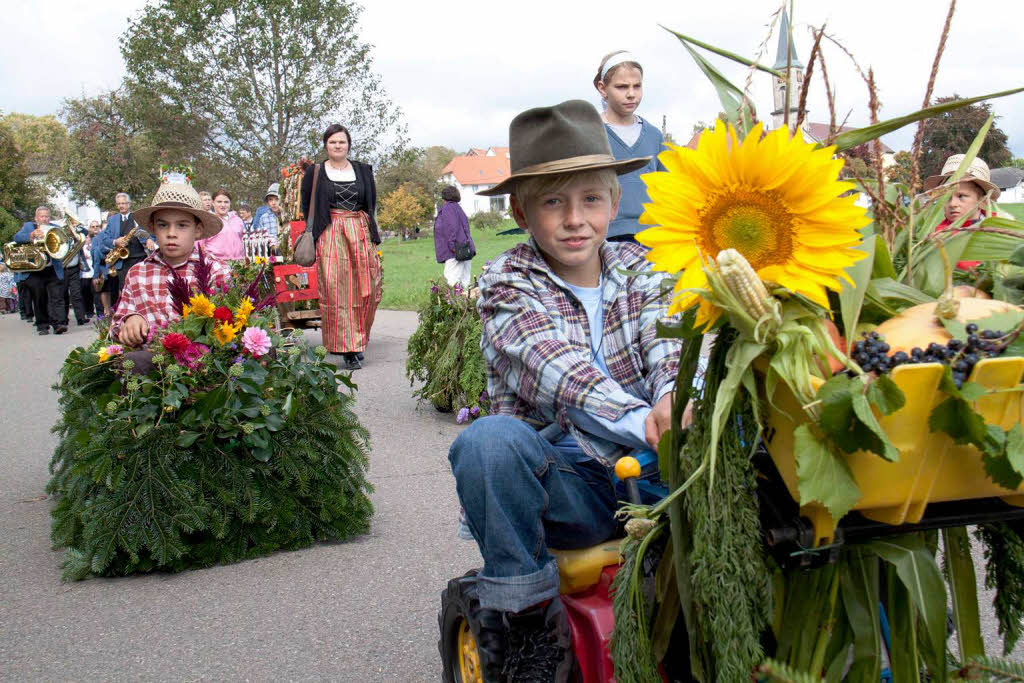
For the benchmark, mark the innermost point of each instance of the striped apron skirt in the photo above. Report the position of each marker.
(349, 280)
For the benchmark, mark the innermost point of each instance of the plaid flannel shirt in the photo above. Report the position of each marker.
(536, 341)
(146, 289)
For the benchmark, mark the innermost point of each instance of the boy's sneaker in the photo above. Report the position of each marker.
(532, 646)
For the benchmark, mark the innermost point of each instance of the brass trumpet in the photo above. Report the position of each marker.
(61, 243)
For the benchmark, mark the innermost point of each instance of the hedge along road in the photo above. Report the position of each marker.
(364, 610)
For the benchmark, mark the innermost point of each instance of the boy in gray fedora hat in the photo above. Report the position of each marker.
(572, 350)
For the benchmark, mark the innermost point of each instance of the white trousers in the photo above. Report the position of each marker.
(458, 271)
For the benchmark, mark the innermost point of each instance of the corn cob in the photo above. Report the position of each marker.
(741, 279)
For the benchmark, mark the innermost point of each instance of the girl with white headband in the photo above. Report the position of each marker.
(620, 80)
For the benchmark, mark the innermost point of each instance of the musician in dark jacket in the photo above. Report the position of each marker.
(340, 215)
(46, 286)
(118, 233)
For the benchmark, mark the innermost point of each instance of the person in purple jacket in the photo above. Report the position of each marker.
(451, 227)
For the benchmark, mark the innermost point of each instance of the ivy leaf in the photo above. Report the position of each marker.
(823, 475)
(186, 439)
(885, 395)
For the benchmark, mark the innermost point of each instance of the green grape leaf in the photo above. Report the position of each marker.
(885, 395)
(972, 391)
(955, 417)
(847, 419)
(1017, 257)
(823, 475)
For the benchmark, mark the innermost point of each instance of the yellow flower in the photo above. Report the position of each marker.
(104, 356)
(244, 310)
(201, 306)
(186, 311)
(224, 333)
(776, 200)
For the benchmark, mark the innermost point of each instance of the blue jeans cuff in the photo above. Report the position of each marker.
(516, 593)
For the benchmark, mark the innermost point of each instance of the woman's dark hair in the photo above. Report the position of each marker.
(220, 192)
(450, 193)
(337, 128)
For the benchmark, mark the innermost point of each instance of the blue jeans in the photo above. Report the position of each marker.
(521, 495)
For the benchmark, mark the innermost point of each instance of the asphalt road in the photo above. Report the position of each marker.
(364, 610)
(359, 611)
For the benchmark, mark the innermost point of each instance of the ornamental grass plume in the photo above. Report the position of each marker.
(775, 199)
(256, 341)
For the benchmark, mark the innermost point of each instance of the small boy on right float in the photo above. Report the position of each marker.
(971, 199)
(571, 347)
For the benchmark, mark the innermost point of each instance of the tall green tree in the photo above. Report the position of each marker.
(953, 132)
(109, 149)
(42, 141)
(258, 80)
(15, 193)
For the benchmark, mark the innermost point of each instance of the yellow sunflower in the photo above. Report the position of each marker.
(245, 309)
(201, 306)
(775, 199)
(225, 333)
(186, 311)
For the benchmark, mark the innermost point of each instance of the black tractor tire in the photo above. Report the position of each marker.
(458, 605)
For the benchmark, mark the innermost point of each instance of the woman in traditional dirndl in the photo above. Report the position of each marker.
(345, 233)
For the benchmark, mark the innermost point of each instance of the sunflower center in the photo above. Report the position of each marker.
(756, 224)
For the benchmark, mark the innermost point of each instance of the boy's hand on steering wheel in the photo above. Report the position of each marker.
(659, 420)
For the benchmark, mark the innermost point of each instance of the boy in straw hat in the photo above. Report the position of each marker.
(176, 220)
(572, 350)
(968, 200)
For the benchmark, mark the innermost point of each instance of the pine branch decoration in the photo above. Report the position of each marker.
(993, 670)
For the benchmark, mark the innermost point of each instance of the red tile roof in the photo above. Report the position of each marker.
(479, 170)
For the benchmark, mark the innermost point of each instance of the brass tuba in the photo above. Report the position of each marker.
(60, 243)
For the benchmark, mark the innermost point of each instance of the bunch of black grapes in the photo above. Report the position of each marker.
(872, 353)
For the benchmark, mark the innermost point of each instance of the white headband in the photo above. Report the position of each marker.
(615, 61)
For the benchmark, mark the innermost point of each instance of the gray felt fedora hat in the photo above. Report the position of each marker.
(564, 138)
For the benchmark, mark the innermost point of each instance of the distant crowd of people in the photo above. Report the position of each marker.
(90, 283)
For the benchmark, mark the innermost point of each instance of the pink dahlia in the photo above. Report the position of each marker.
(256, 341)
(193, 354)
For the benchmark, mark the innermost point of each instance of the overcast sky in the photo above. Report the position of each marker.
(461, 70)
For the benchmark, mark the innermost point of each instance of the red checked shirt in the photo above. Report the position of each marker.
(147, 289)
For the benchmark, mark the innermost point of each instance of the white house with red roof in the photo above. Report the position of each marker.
(475, 171)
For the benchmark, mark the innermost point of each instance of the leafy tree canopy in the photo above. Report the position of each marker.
(402, 209)
(41, 140)
(246, 86)
(953, 132)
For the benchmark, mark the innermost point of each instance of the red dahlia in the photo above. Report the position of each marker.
(223, 314)
(175, 343)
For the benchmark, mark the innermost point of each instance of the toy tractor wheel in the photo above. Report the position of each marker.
(459, 655)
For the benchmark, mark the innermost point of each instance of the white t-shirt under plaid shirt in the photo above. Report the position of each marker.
(147, 289)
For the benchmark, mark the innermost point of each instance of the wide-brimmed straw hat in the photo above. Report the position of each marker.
(183, 197)
(564, 138)
(977, 172)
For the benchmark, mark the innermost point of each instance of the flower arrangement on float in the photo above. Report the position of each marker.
(444, 353)
(218, 440)
(850, 387)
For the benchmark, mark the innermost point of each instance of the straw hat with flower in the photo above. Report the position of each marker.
(183, 197)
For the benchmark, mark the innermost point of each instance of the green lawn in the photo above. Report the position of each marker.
(1016, 209)
(410, 266)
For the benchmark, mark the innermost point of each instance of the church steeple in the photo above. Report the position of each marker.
(786, 53)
